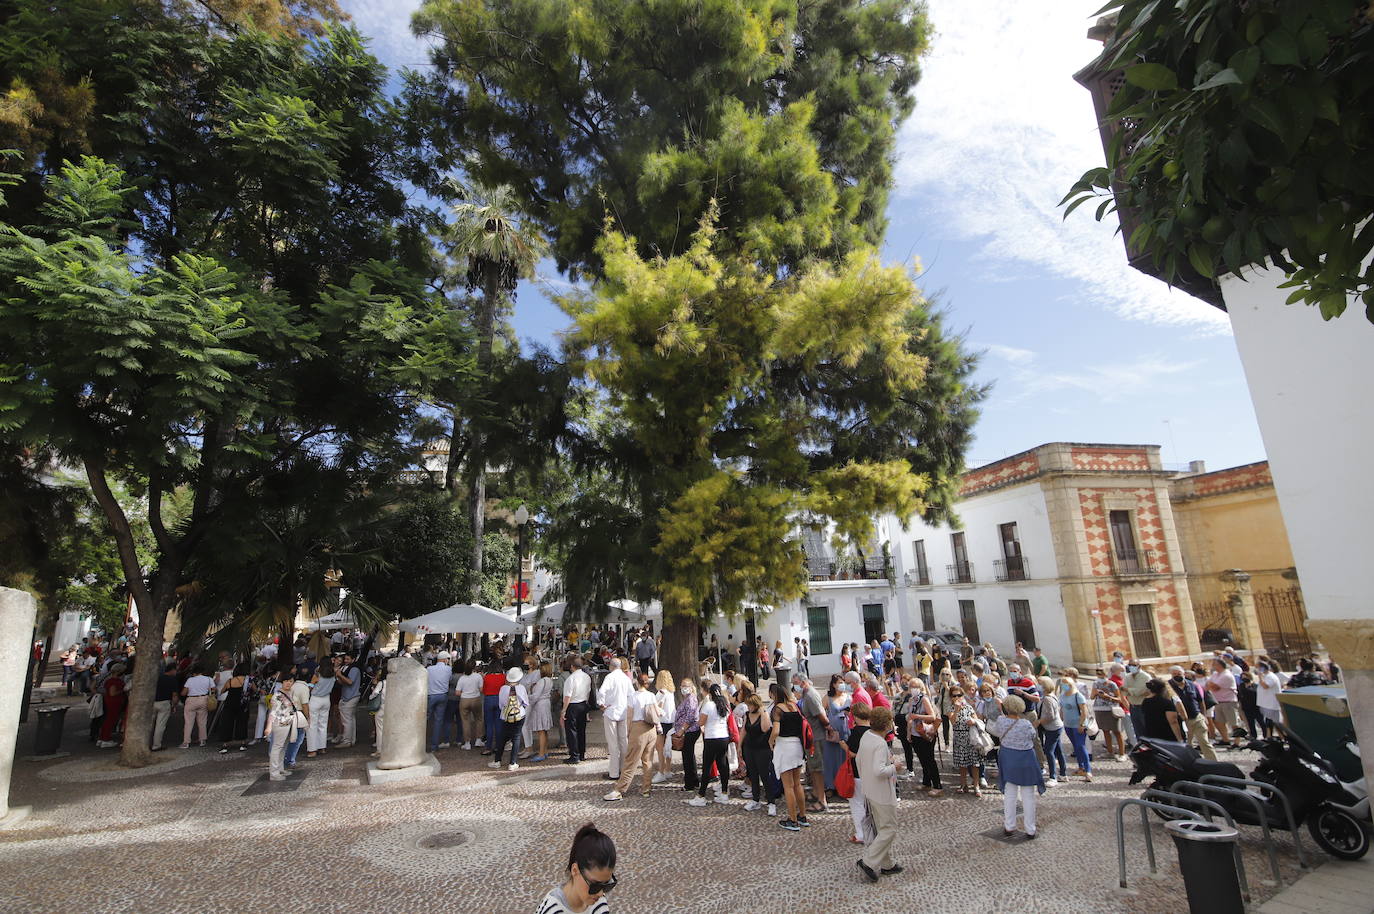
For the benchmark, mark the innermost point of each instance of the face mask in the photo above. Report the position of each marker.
(1178, 678)
(686, 690)
(1132, 668)
(846, 688)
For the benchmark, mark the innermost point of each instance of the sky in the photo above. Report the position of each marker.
(1077, 345)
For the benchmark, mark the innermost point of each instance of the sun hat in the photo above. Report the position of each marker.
(513, 675)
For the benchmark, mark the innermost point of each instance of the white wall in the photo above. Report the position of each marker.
(1311, 382)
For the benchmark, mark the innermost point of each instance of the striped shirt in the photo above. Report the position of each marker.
(555, 903)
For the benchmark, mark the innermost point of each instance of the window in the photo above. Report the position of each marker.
(927, 616)
(1021, 628)
(968, 618)
(922, 569)
(875, 626)
(961, 572)
(818, 629)
(1013, 565)
(1142, 619)
(1123, 541)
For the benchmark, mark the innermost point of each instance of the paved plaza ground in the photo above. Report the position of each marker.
(203, 832)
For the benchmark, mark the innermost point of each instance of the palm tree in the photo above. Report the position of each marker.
(498, 245)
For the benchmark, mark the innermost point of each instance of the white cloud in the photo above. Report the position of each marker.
(1107, 383)
(1012, 354)
(1000, 133)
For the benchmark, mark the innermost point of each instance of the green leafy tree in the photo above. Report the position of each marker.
(1245, 137)
(783, 112)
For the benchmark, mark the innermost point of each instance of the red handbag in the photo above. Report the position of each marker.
(844, 780)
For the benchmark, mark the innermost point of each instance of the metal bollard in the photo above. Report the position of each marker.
(1207, 859)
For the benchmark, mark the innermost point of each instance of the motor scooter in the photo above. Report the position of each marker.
(1337, 813)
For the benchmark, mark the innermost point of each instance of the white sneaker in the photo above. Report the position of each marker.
(443, 745)
(697, 801)
(660, 777)
(479, 744)
(983, 783)
(772, 809)
(513, 767)
(613, 796)
(724, 801)
(467, 745)
(1051, 783)
(751, 806)
(493, 764)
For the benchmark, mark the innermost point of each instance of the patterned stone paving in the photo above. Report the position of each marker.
(185, 838)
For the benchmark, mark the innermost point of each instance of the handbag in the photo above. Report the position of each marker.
(211, 701)
(676, 740)
(844, 778)
(978, 738)
(1118, 711)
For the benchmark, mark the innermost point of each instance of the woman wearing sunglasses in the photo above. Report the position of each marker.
(591, 874)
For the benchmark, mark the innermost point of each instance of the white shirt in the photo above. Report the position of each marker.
(614, 695)
(198, 686)
(640, 702)
(439, 677)
(470, 686)
(667, 706)
(1268, 690)
(716, 725)
(578, 687)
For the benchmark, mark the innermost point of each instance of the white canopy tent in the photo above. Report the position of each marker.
(462, 618)
(335, 620)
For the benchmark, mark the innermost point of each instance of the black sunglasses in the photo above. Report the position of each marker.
(600, 888)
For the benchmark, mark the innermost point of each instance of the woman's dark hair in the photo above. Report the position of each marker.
(469, 667)
(779, 695)
(1306, 665)
(591, 850)
(241, 669)
(1155, 686)
(835, 680)
(717, 699)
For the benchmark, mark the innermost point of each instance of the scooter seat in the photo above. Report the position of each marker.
(1225, 769)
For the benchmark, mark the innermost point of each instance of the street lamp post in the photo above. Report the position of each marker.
(522, 516)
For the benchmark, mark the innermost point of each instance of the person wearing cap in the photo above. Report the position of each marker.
(513, 702)
(440, 677)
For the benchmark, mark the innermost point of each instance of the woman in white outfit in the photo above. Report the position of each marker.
(1017, 767)
(667, 710)
(316, 737)
(283, 719)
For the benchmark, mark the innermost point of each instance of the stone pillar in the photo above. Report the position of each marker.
(17, 612)
(1244, 615)
(1351, 644)
(402, 747)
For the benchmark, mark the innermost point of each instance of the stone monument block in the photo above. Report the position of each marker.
(17, 611)
(402, 746)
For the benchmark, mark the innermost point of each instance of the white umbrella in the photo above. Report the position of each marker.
(626, 610)
(462, 618)
(340, 619)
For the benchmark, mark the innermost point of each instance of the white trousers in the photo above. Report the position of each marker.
(858, 811)
(1027, 793)
(348, 714)
(617, 740)
(280, 735)
(317, 735)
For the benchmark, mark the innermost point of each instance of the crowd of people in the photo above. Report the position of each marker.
(897, 718)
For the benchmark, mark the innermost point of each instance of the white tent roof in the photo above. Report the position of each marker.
(340, 619)
(461, 618)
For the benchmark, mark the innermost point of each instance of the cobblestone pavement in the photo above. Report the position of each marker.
(183, 837)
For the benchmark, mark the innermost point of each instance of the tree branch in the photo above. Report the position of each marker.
(123, 535)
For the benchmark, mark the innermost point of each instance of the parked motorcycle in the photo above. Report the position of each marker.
(1337, 813)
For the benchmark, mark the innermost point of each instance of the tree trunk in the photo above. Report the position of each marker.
(138, 722)
(477, 445)
(679, 650)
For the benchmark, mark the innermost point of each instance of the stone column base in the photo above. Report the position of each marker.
(428, 768)
(1351, 644)
(14, 816)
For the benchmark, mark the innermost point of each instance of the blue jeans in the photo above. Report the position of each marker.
(1054, 749)
(293, 748)
(438, 704)
(491, 717)
(1079, 740)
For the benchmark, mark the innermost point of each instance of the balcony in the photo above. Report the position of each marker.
(1134, 561)
(922, 577)
(1011, 568)
(873, 568)
(960, 573)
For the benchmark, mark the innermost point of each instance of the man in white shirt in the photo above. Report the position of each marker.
(576, 691)
(614, 696)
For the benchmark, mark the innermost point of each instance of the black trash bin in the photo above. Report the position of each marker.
(47, 739)
(783, 677)
(1207, 859)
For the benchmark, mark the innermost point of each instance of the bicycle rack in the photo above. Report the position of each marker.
(1269, 789)
(1207, 808)
(1145, 807)
(1186, 787)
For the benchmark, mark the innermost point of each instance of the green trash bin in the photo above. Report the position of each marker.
(1320, 716)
